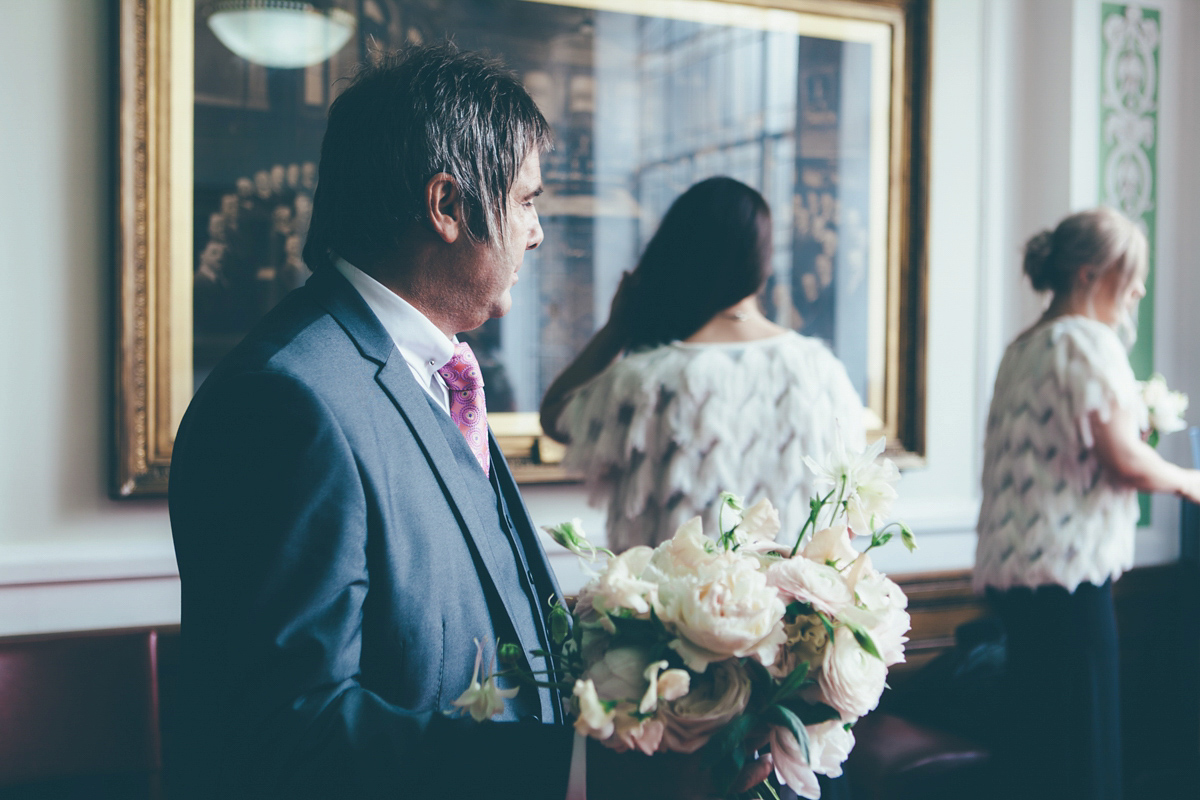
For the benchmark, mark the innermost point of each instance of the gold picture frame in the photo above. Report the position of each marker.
(156, 255)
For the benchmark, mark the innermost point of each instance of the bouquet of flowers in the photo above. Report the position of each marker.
(1165, 406)
(698, 641)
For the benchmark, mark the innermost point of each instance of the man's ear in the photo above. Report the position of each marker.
(444, 207)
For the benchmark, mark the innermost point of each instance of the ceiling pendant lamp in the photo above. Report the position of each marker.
(285, 34)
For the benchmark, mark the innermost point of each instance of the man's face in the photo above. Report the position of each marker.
(487, 274)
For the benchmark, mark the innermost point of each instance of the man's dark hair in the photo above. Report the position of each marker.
(401, 121)
(712, 249)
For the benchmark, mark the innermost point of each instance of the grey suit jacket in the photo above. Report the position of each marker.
(339, 551)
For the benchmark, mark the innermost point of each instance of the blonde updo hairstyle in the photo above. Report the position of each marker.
(1100, 239)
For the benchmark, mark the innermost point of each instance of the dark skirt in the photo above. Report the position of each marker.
(1062, 732)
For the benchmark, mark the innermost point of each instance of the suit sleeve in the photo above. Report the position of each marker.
(270, 518)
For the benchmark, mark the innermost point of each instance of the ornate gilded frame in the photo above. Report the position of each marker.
(153, 358)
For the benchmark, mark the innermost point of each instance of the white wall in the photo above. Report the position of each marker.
(1009, 123)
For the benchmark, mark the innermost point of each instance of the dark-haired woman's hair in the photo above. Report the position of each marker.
(1101, 238)
(401, 121)
(712, 249)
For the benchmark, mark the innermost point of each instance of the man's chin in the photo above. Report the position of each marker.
(502, 305)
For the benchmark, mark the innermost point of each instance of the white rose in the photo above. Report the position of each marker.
(726, 609)
(829, 744)
(715, 698)
(874, 589)
(883, 615)
(591, 719)
(851, 679)
(830, 544)
(620, 585)
(809, 582)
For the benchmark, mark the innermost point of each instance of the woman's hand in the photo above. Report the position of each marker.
(1132, 462)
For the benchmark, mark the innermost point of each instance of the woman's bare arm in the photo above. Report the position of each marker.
(599, 353)
(1136, 464)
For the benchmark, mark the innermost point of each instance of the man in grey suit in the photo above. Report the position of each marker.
(344, 523)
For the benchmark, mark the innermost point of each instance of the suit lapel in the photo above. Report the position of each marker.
(395, 378)
(409, 398)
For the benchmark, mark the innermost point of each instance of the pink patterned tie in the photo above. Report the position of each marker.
(467, 409)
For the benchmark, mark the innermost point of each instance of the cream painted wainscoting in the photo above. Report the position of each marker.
(1012, 140)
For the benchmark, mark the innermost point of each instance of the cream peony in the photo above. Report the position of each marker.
(716, 697)
(620, 586)
(851, 679)
(810, 582)
(724, 609)
(687, 551)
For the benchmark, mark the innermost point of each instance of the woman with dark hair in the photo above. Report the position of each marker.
(1063, 461)
(710, 395)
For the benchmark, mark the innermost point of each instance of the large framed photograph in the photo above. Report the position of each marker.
(821, 105)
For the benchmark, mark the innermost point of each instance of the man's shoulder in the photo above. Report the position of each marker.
(300, 338)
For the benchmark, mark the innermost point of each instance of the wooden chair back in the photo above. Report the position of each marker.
(80, 711)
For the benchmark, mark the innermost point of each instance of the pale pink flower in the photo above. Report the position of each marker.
(483, 699)
(810, 582)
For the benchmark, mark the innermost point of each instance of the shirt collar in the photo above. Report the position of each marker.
(420, 342)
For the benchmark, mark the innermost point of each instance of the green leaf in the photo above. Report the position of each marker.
(1152, 439)
(508, 654)
(784, 716)
(792, 682)
(828, 623)
(560, 625)
(864, 640)
(796, 608)
(810, 713)
(726, 754)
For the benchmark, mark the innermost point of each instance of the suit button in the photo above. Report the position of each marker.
(530, 718)
(529, 574)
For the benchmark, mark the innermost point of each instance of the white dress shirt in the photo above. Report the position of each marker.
(426, 349)
(422, 344)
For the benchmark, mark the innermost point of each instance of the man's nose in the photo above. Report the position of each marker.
(536, 235)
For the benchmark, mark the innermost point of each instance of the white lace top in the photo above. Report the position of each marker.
(1051, 514)
(661, 433)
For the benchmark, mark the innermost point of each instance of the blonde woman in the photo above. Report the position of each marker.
(1063, 462)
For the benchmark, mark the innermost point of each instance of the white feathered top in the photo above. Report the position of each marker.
(661, 433)
(1050, 513)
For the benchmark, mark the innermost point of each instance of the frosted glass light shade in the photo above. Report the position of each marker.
(281, 33)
